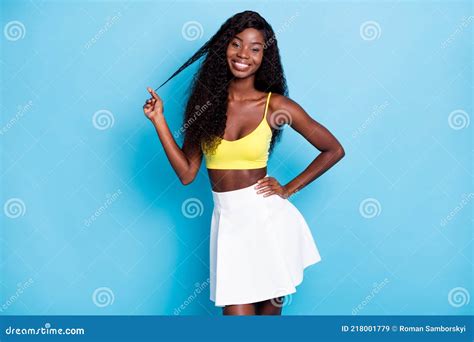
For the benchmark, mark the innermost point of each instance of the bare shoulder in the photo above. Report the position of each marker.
(282, 102)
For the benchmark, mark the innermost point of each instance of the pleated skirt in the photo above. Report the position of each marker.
(259, 247)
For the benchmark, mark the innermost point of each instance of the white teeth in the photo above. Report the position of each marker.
(241, 65)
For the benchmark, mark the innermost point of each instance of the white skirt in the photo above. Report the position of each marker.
(259, 247)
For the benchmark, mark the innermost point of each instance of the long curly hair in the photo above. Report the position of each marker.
(205, 116)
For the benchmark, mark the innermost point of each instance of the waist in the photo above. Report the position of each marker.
(235, 198)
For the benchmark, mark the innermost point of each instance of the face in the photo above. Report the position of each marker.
(245, 52)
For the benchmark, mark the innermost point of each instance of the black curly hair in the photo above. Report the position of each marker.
(205, 115)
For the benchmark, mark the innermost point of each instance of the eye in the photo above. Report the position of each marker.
(235, 44)
(255, 50)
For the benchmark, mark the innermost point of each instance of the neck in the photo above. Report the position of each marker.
(241, 88)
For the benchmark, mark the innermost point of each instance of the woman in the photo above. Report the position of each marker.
(238, 105)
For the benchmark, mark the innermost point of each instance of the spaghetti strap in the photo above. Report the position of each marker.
(266, 105)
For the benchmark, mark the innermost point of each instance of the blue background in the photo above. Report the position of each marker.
(392, 220)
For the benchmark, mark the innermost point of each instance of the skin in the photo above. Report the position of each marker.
(245, 110)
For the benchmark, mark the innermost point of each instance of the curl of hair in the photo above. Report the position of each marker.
(209, 88)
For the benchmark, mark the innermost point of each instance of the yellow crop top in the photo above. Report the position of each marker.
(248, 152)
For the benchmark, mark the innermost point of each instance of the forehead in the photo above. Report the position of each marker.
(251, 35)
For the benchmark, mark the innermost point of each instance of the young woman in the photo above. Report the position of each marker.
(260, 243)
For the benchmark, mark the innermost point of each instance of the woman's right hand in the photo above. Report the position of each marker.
(153, 107)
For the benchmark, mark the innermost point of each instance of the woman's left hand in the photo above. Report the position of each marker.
(269, 186)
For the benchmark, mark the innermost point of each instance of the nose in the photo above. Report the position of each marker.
(243, 53)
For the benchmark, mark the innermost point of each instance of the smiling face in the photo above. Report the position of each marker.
(245, 52)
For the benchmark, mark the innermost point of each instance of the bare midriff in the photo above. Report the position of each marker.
(228, 180)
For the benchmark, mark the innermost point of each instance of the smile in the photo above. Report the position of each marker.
(240, 66)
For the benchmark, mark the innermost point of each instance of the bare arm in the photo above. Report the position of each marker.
(186, 161)
(330, 148)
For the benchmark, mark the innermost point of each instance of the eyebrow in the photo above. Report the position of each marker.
(250, 43)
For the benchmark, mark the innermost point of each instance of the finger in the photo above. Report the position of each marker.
(269, 193)
(264, 188)
(264, 181)
(153, 93)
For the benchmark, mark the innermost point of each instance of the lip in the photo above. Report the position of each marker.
(240, 66)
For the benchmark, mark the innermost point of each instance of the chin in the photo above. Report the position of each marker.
(240, 74)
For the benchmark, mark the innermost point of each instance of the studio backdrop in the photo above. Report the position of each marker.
(95, 221)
